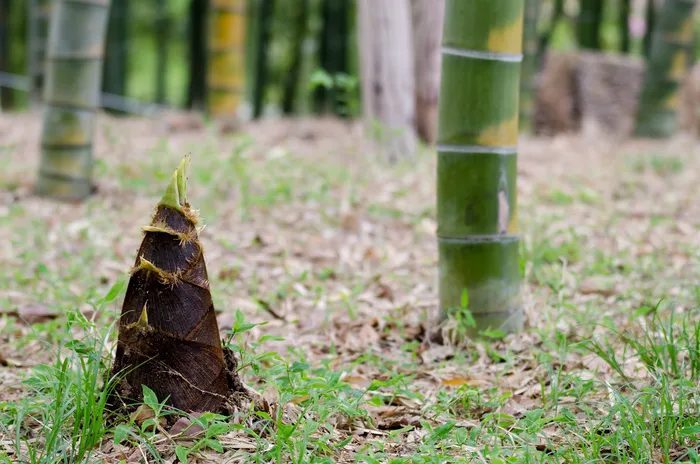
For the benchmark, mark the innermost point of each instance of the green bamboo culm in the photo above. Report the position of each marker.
(71, 97)
(476, 169)
(667, 63)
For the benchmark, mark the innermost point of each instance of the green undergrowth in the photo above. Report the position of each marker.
(607, 371)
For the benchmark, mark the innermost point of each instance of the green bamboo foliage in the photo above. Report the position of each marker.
(225, 73)
(71, 97)
(659, 100)
(479, 264)
(529, 64)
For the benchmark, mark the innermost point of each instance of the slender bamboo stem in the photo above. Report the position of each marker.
(477, 163)
(650, 20)
(625, 11)
(162, 50)
(71, 97)
(291, 81)
(196, 87)
(544, 41)
(39, 15)
(589, 20)
(529, 64)
(5, 36)
(332, 53)
(263, 41)
(115, 75)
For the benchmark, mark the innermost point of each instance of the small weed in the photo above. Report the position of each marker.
(660, 164)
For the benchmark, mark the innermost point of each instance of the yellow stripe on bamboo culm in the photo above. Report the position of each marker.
(228, 31)
(684, 33)
(504, 134)
(224, 104)
(513, 222)
(672, 101)
(507, 38)
(679, 64)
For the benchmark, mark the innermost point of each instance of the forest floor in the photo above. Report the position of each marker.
(331, 255)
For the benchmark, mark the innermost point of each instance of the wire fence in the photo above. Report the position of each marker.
(107, 100)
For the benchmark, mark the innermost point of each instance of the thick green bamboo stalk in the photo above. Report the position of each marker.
(71, 97)
(589, 20)
(226, 56)
(115, 75)
(659, 99)
(528, 68)
(477, 146)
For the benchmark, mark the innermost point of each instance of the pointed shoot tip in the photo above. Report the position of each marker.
(182, 178)
(171, 197)
(175, 195)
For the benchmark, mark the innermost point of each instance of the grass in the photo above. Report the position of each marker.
(322, 264)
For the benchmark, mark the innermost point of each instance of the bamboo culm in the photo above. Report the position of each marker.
(71, 97)
(666, 66)
(478, 240)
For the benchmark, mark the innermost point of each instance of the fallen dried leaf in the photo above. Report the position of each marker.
(456, 382)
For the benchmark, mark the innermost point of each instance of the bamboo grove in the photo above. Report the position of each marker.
(465, 81)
